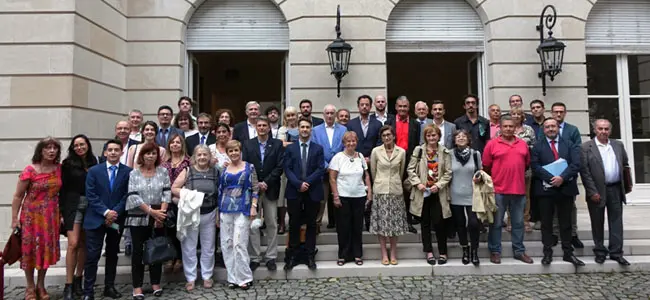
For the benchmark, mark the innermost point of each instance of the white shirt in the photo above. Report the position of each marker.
(350, 177)
(381, 117)
(364, 126)
(556, 144)
(252, 131)
(442, 130)
(330, 133)
(307, 153)
(610, 165)
(205, 141)
(562, 127)
(274, 130)
(136, 136)
(125, 153)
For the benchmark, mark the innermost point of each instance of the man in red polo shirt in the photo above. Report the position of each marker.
(506, 159)
(407, 133)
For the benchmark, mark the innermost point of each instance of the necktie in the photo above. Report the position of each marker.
(303, 171)
(163, 137)
(555, 154)
(111, 179)
(203, 140)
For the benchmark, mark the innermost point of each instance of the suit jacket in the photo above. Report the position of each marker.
(448, 134)
(541, 155)
(316, 121)
(315, 167)
(372, 138)
(194, 140)
(592, 170)
(388, 117)
(427, 121)
(240, 132)
(102, 158)
(571, 133)
(319, 136)
(172, 131)
(269, 170)
(414, 136)
(101, 198)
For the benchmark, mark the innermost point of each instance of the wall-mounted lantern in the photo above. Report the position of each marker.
(550, 50)
(339, 54)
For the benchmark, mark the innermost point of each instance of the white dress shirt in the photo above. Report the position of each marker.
(205, 141)
(442, 130)
(274, 130)
(381, 117)
(330, 133)
(610, 165)
(364, 126)
(252, 131)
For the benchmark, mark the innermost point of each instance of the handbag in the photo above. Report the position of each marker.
(13, 249)
(158, 249)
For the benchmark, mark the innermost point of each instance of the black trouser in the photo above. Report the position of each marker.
(171, 233)
(614, 207)
(534, 205)
(432, 215)
(139, 235)
(331, 211)
(350, 219)
(302, 210)
(94, 243)
(563, 205)
(466, 222)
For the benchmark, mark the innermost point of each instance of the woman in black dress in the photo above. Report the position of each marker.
(73, 205)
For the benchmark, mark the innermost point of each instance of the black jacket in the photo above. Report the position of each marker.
(194, 140)
(270, 169)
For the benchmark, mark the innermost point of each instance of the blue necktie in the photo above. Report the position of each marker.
(111, 179)
(203, 140)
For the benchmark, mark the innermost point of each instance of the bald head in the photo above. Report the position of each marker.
(122, 130)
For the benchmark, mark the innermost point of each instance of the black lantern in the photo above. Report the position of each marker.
(339, 54)
(550, 50)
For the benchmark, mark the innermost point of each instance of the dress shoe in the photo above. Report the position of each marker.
(311, 263)
(415, 221)
(495, 258)
(271, 265)
(600, 259)
(77, 286)
(290, 264)
(575, 241)
(331, 226)
(473, 253)
(524, 258)
(254, 265)
(67, 292)
(88, 298)
(555, 240)
(465, 258)
(548, 258)
(412, 229)
(128, 250)
(111, 292)
(620, 260)
(574, 260)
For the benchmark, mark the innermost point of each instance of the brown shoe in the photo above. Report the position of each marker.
(42, 294)
(524, 258)
(495, 258)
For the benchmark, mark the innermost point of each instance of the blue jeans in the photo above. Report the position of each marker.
(517, 204)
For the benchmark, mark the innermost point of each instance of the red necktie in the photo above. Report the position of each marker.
(557, 155)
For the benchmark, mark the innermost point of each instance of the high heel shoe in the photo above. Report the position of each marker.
(42, 294)
(30, 294)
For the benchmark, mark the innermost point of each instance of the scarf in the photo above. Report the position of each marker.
(462, 155)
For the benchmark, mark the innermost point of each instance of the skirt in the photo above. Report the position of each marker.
(388, 216)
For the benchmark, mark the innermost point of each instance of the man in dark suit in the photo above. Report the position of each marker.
(245, 130)
(267, 155)
(122, 133)
(407, 137)
(604, 164)
(165, 129)
(304, 166)
(204, 137)
(380, 113)
(556, 192)
(571, 133)
(305, 110)
(106, 191)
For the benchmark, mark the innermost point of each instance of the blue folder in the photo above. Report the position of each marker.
(557, 167)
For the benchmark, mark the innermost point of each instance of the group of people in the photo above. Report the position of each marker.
(199, 180)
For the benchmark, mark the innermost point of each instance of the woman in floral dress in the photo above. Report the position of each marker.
(37, 199)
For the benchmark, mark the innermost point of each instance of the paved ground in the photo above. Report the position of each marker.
(574, 286)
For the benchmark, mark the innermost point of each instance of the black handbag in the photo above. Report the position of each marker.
(158, 249)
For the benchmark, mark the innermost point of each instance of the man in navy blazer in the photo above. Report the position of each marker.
(304, 167)
(330, 136)
(165, 129)
(204, 137)
(106, 191)
(572, 134)
(245, 130)
(556, 192)
(369, 139)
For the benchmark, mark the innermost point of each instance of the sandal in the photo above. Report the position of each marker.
(138, 296)
(393, 261)
(281, 230)
(30, 294)
(245, 286)
(42, 294)
(358, 261)
(340, 262)
(385, 262)
(189, 286)
(158, 293)
(431, 259)
(232, 286)
(509, 228)
(528, 228)
(207, 284)
(442, 260)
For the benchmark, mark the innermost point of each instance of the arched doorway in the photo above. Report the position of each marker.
(617, 39)
(237, 53)
(435, 52)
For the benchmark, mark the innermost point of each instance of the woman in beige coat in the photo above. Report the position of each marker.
(429, 173)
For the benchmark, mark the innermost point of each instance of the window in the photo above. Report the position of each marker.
(639, 76)
(602, 86)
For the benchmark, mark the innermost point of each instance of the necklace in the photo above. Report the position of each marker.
(352, 157)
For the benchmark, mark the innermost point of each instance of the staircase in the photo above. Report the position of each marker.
(410, 257)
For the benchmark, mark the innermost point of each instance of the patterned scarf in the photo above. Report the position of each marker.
(462, 155)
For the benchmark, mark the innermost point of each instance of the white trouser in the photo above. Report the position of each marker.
(207, 230)
(270, 211)
(235, 228)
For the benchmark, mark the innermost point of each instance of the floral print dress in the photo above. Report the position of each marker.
(40, 219)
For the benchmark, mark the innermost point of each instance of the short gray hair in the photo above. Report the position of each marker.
(505, 118)
(403, 98)
(135, 111)
(421, 103)
(593, 124)
(250, 103)
(196, 150)
(329, 106)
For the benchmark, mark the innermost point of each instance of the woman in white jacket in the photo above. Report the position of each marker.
(201, 176)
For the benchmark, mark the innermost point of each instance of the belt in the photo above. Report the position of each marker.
(613, 184)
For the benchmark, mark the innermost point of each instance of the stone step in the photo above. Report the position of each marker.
(374, 268)
(330, 238)
(414, 251)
